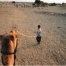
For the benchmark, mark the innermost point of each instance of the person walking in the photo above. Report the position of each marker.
(38, 38)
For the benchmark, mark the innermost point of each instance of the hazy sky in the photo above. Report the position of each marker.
(49, 1)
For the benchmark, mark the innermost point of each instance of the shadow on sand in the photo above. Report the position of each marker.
(29, 46)
(23, 48)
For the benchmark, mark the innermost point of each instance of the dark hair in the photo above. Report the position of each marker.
(39, 26)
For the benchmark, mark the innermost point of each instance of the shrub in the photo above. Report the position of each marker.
(13, 1)
(52, 4)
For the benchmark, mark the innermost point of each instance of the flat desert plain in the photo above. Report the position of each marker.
(52, 49)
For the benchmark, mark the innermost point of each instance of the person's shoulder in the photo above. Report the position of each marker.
(40, 29)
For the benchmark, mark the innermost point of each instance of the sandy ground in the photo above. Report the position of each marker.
(52, 49)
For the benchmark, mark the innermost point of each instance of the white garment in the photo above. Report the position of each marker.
(39, 32)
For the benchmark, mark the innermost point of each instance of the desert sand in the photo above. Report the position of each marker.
(52, 49)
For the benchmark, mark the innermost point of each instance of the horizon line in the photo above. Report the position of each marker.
(28, 1)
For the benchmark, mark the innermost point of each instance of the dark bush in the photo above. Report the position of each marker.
(62, 3)
(52, 4)
(13, 1)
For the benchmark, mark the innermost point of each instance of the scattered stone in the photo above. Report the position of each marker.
(59, 27)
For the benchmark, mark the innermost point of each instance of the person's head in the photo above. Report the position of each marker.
(39, 26)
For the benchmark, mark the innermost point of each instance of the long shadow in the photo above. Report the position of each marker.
(0, 47)
(29, 46)
(23, 48)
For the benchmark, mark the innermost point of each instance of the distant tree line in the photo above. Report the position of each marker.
(41, 3)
